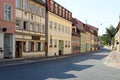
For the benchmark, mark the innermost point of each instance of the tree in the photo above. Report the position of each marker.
(108, 37)
(110, 32)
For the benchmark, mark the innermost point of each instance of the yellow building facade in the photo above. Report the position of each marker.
(83, 42)
(59, 35)
(58, 30)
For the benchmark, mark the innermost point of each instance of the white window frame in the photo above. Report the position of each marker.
(25, 5)
(50, 24)
(8, 12)
(18, 24)
(38, 10)
(18, 4)
(32, 27)
(32, 7)
(55, 26)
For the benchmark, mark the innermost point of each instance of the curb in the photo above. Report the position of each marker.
(12, 62)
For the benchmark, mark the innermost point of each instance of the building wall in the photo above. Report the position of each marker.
(88, 41)
(1, 45)
(83, 42)
(92, 42)
(117, 40)
(75, 44)
(32, 38)
(10, 25)
(59, 34)
(7, 20)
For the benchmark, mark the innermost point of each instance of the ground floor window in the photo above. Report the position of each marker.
(33, 46)
(29, 46)
(37, 46)
(42, 46)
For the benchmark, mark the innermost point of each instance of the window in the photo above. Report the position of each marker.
(37, 27)
(69, 30)
(63, 12)
(56, 8)
(32, 27)
(66, 14)
(25, 5)
(43, 28)
(50, 41)
(43, 12)
(55, 43)
(51, 5)
(29, 46)
(60, 11)
(68, 43)
(62, 28)
(38, 10)
(50, 24)
(42, 46)
(18, 24)
(18, 4)
(55, 26)
(31, 7)
(25, 25)
(59, 27)
(66, 29)
(8, 12)
(37, 46)
(69, 16)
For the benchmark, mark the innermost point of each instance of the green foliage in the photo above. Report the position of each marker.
(108, 38)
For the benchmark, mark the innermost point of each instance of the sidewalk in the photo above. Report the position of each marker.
(113, 59)
(10, 62)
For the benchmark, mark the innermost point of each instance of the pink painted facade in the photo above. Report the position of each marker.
(10, 25)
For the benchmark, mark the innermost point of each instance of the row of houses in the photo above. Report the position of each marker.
(38, 28)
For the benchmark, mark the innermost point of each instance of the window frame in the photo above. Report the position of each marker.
(18, 2)
(8, 16)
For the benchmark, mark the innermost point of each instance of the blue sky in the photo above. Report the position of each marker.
(96, 12)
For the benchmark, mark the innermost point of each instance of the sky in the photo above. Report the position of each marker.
(99, 13)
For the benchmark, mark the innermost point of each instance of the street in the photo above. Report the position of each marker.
(85, 67)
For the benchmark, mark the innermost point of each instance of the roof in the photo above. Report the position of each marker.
(85, 27)
(79, 24)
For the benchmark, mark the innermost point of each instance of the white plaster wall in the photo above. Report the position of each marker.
(1, 45)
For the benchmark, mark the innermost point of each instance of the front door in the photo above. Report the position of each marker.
(18, 51)
(61, 47)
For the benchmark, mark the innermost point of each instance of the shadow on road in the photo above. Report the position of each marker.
(54, 69)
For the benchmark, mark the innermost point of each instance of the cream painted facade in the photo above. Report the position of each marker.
(92, 42)
(83, 42)
(30, 30)
(117, 40)
(59, 34)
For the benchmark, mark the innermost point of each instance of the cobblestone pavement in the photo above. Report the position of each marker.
(113, 59)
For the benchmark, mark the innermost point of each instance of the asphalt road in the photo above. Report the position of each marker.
(85, 67)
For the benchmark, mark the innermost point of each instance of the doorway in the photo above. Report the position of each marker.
(18, 50)
(61, 47)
